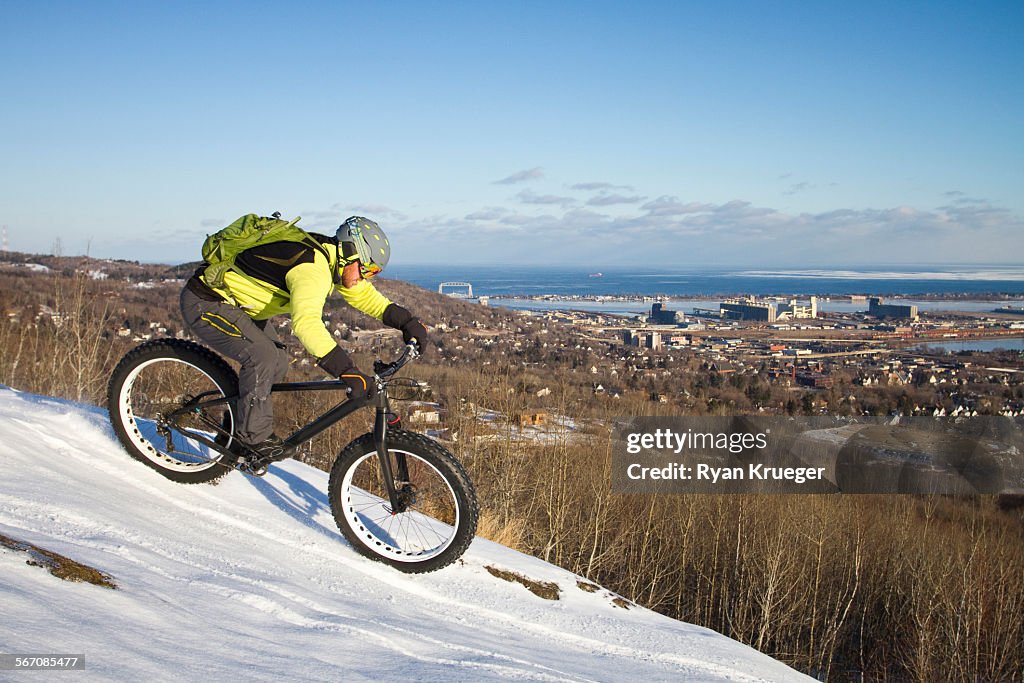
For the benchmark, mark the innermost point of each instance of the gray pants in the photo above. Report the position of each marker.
(254, 344)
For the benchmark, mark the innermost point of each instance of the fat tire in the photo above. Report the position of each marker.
(204, 360)
(445, 464)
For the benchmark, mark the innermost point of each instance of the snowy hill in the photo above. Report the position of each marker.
(251, 580)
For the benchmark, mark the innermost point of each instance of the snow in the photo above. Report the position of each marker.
(251, 580)
(34, 267)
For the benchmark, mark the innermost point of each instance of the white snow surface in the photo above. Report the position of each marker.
(251, 580)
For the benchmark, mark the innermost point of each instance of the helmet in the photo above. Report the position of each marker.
(360, 238)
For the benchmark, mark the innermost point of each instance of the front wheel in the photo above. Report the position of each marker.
(439, 511)
(165, 397)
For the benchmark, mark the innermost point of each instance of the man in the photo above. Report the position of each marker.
(294, 278)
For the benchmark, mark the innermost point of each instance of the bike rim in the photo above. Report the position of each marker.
(423, 531)
(160, 385)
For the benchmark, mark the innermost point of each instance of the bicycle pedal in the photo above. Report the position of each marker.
(255, 468)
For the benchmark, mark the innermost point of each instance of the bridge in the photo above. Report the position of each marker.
(467, 294)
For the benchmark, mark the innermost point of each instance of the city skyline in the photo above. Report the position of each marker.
(577, 134)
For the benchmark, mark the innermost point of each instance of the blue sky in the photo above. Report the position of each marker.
(764, 134)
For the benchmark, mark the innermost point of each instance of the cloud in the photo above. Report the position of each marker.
(667, 230)
(521, 176)
(881, 227)
(518, 220)
(606, 199)
(798, 187)
(978, 215)
(529, 197)
(378, 210)
(668, 218)
(962, 199)
(325, 220)
(593, 187)
(488, 214)
(323, 217)
(671, 206)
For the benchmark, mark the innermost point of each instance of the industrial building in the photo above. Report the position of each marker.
(747, 309)
(643, 338)
(752, 309)
(796, 310)
(664, 316)
(879, 310)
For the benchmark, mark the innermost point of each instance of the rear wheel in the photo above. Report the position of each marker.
(439, 509)
(147, 391)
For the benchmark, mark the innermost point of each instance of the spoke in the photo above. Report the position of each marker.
(422, 530)
(407, 544)
(161, 387)
(423, 540)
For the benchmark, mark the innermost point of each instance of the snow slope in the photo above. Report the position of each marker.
(250, 580)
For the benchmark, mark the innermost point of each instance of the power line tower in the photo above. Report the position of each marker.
(3, 241)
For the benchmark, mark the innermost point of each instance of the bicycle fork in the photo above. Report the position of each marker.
(396, 475)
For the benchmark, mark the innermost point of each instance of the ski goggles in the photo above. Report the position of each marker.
(368, 270)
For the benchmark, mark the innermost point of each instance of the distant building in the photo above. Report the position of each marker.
(796, 310)
(814, 379)
(1010, 310)
(664, 316)
(647, 340)
(748, 309)
(879, 310)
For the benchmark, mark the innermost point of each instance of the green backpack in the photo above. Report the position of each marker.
(222, 247)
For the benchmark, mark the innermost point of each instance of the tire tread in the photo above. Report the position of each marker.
(178, 349)
(420, 445)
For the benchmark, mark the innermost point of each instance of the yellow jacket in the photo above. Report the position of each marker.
(307, 286)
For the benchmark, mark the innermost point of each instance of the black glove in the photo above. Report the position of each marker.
(360, 386)
(339, 364)
(412, 329)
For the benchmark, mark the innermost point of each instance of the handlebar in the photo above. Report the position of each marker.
(384, 370)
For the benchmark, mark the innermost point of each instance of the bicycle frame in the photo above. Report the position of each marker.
(381, 422)
(330, 418)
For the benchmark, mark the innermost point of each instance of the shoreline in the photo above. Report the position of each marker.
(994, 297)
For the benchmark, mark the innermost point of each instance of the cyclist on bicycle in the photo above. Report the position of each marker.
(293, 278)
